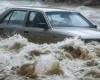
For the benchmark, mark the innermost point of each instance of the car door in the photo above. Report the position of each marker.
(37, 29)
(13, 22)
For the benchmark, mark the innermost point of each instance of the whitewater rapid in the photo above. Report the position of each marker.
(66, 60)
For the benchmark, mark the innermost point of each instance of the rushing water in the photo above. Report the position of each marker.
(67, 60)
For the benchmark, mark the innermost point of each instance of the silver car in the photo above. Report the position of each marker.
(46, 25)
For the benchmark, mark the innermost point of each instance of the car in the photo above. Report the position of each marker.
(47, 25)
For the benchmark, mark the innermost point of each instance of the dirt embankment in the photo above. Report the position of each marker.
(83, 2)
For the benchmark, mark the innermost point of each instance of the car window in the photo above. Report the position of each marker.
(36, 19)
(66, 19)
(15, 17)
(6, 19)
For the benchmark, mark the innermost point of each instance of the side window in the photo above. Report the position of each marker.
(36, 19)
(6, 19)
(15, 17)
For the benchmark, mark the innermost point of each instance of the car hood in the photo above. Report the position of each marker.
(84, 33)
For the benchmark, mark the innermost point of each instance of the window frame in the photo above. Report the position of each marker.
(37, 11)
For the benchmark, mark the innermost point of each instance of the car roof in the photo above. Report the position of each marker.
(43, 9)
(49, 9)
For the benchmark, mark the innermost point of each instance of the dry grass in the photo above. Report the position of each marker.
(55, 69)
(28, 70)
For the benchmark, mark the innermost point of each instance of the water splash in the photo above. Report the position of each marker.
(67, 60)
(46, 60)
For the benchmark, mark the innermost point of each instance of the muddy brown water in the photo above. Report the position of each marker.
(67, 60)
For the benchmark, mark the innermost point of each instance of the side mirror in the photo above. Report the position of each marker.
(43, 25)
(95, 26)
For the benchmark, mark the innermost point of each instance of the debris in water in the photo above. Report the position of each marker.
(28, 70)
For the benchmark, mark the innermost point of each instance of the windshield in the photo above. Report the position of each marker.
(66, 19)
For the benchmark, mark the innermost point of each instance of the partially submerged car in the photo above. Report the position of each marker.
(46, 25)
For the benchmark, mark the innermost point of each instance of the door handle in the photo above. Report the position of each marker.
(26, 32)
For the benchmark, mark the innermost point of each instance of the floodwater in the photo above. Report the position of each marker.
(70, 59)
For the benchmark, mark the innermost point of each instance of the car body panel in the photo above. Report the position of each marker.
(84, 33)
(51, 34)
